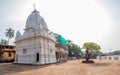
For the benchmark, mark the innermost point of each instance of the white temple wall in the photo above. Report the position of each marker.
(45, 47)
(26, 58)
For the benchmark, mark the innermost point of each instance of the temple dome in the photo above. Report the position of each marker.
(34, 20)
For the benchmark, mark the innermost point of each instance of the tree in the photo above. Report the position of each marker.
(3, 42)
(9, 33)
(73, 49)
(116, 52)
(69, 45)
(91, 47)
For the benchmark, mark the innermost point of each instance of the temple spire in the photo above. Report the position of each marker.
(34, 6)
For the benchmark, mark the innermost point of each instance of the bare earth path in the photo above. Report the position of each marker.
(73, 67)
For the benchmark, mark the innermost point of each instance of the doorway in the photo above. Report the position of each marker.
(57, 56)
(37, 57)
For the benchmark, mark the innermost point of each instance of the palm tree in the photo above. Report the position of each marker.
(9, 33)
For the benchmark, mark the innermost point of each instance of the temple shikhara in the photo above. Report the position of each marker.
(38, 45)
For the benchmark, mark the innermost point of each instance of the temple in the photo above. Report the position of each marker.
(39, 45)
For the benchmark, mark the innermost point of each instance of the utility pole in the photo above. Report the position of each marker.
(110, 52)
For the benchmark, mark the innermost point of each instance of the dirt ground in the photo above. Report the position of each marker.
(72, 67)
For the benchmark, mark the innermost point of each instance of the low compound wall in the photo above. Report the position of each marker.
(110, 57)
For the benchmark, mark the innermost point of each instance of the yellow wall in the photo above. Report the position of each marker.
(7, 57)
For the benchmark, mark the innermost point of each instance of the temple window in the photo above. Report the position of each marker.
(24, 51)
(9, 54)
(51, 51)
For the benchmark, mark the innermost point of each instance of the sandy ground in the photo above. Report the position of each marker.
(73, 67)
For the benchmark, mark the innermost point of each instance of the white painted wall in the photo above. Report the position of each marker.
(111, 57)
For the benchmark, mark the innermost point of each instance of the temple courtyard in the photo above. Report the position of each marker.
(71, 67)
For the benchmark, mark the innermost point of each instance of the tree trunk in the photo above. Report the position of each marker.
(87, 55)
(8, 42)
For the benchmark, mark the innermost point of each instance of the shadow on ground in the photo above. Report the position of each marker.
(14, 68)
(100, 64)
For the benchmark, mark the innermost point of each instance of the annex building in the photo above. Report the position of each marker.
(7, 53)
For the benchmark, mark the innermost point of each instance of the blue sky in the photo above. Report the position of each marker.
(78, 20)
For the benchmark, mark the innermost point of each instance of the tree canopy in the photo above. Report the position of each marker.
(73, 49)
(92, 47)
(3, 42)
(9, 33)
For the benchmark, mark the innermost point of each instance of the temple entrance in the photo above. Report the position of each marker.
(37, 57)
(57, 56)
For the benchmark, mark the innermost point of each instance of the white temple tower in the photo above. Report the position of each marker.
(37, 44)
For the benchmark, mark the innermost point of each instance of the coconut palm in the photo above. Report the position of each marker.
(9, 33)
